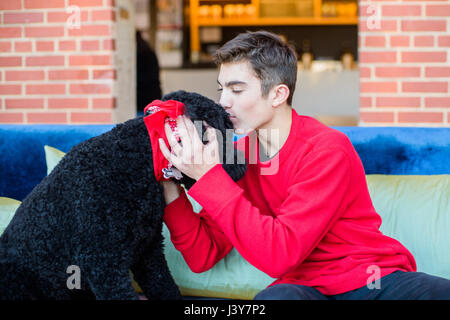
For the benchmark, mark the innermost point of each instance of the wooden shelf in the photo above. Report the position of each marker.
(197, 22)
(282, 21)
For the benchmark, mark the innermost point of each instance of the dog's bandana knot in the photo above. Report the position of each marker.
(156, 115)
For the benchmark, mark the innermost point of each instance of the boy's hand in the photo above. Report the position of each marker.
(191, 157)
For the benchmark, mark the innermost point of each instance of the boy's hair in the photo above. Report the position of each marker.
(273, 60)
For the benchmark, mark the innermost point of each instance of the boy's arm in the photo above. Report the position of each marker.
(196, 236)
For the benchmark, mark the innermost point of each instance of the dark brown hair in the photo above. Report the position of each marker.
(273, 60)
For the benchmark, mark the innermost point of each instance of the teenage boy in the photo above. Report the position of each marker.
(302, 213)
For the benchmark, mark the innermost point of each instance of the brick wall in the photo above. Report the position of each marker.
(54, 67)
(404, 53)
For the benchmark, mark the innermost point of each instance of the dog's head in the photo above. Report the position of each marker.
(200, 108)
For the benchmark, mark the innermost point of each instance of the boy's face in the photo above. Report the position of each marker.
(241, 97)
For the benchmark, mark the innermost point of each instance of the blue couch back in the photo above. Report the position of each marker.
(383, 150)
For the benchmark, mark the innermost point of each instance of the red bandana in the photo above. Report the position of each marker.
(162, 112)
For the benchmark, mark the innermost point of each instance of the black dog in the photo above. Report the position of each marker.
(99, 212)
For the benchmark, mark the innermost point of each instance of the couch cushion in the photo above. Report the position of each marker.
(415, 210)
(8, 207)
(22, 161)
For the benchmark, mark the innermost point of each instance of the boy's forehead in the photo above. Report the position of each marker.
(233, 73)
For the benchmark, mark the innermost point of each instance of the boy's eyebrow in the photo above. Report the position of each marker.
(232, 83)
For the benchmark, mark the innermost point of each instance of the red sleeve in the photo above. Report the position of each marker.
(196, 236)
(276, 244)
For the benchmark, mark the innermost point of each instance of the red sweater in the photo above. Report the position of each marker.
(304, 217)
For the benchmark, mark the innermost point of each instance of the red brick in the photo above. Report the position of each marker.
(444, 41)
(90, 117)
(424, 25)
(47, 117)
(90, 60)
(91, 30)
(23, 46)
(385, 26)
(24, 75)
(10, 32)
(10, 89)
(109, 44)
(443, 72)
(104, 74)
(5, 46)
(63, 16)
(46, 89)
(424, 56)
(379, 56)
(377, 116)
(90, 88)
(365, 102)
(398, 102)
(44, 4)
(45, 46)
(11, 117)
(375, 41)
(399, 41)
(424, 41)
(10, 61)
(103, 103)
(438, 10)
(378, 87)
(10, 5)
(40, 32)
(401, 10)
(86, 3)
(45, 61)
(420, 117)
(24, 103)
(23, 17)
(89, 45)
(437, 102)
(68, 74)
(430, 86)
(67, 103)
(67, 45)
(364, 72)
(385, 72)
(103, 15)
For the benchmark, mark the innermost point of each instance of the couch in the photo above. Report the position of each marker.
(407, 170)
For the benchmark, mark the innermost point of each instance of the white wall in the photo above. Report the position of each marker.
(317, 93)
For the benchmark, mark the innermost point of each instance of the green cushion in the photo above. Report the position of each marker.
(416, 211)
(8, 207)
(52, 157)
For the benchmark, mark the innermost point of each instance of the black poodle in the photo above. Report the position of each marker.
(100, 212)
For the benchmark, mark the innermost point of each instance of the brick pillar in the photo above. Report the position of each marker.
(58, 61)
(404, 60)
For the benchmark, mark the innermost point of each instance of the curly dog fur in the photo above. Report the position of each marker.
(100, 209)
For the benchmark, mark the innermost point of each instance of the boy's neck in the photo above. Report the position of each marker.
(273, 136)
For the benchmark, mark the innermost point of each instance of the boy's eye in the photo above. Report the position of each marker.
(219, 89)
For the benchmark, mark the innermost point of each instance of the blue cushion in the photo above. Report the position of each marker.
(22, 160)
(383, 150)
(401, 150)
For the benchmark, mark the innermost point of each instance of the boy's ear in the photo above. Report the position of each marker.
(280, 94)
